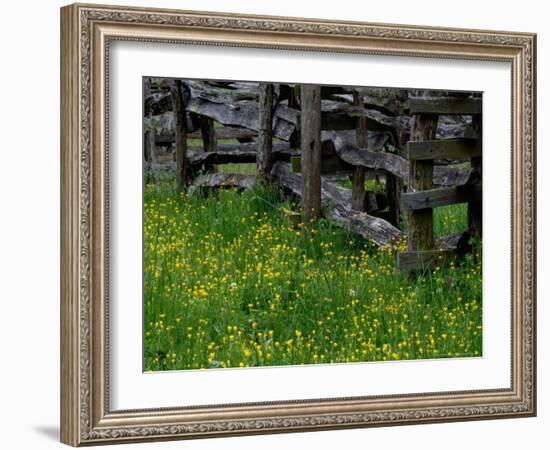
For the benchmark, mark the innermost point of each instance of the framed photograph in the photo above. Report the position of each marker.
(276, 224)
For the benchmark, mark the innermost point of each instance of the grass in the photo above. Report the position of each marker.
(450, 219)
(371, 184)
(228, 282)
(242, 168)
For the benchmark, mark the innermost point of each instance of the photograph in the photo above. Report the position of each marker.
(283, 223)
(294, 224)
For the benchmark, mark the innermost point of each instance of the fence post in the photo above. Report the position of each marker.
(149, 153)
(420, 236)
(146, 87)
(208, 134)
(395, 185)
(311, 151)
(180, 97)
(475, 209)
(358, 178)
(265, 133)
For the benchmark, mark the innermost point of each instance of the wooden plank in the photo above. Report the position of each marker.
(149, 154)
(265, 133)
(440, 197)
(246, 114)
(180, 97)
(420, 261)
(358, 200)
(162, 102)
(237, 153)
(376, 140)
(376, 121)
(329, 165)
(146, 88)
(234, 133)
(356, 156)
(394, 191)
(454, 176)
(217, 94)
(165, 139)
(335, 204)
(208, 134)
(156, 104)
(420, 232)
(311, 151)
(458, 242)
(463, 148)
(224, 181)
(445, 105)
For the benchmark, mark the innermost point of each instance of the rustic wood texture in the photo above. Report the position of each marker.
(265, 135)
(358, 178)
(156, 104)
(394, 191)
(311, 151)
(458, 242)
(420, 261)
(180, 97)
(246, 114)
(464, 148)
(223, 181)
(432, 198)
(444, 105)
(454, 176)
(149, 154)
(420, 232)
(146, 88)
(228, 132)
(339, 115)
(356, 156)
(395, 185)
(149, 149)
(211, 92)
(208, 134)
(237, 153)
(376, 140)
(336, 206)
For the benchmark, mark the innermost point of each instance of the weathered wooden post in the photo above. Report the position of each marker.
(265, 133)
(146, 87)
(180, 97)
(311, 151)
(149, 153)
(294, 103)
(420, 235)
(475, 208)
(149, 135)
(395, 185)
(208, 134)
(358, 178)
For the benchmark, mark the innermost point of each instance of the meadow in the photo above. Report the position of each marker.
(230, 282)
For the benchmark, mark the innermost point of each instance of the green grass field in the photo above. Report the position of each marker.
(229, 283)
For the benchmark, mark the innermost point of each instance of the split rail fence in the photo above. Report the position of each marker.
(305, 138)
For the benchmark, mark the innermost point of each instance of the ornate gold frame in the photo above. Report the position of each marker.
(86, 31)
